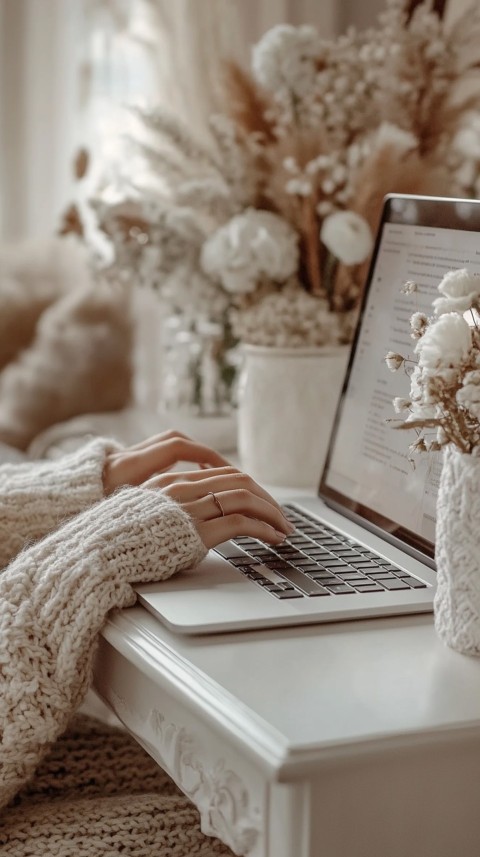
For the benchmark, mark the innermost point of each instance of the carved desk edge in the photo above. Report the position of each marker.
(250, 733)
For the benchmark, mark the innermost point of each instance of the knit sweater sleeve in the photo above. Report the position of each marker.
(36, 496)
(54, 599)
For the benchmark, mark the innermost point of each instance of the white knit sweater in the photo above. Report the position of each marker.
(68, 558)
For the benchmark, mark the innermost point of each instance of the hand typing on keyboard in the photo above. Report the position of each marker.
(222, 501)
(315, 561)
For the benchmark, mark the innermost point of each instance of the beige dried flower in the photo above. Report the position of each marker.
(394, 360)
(445, 382)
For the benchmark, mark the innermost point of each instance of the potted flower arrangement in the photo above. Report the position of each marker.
(443, 409)
(265, 228)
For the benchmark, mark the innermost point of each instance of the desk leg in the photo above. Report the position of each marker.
(289, 820)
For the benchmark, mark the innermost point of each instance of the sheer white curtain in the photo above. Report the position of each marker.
(63, 63)
(195, 35)
(38, 109)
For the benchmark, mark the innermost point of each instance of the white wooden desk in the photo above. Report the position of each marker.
(358, 739)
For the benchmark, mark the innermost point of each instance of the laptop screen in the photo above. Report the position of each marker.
(370, 470)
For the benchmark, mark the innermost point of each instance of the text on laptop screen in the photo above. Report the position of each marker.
(368, 466)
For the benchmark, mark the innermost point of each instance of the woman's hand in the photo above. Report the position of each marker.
(136, 464)
(224, 503)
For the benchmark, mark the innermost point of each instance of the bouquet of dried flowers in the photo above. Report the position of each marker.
(267, 225)
(444, 403)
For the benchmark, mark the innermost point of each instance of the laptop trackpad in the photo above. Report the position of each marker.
(213, 596)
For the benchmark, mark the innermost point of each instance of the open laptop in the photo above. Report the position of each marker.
(365, 546)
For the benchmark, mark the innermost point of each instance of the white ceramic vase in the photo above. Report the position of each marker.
(457, 549)
(287, 399)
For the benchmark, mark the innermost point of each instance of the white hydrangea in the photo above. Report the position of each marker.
(252, 246)
(347, 236)
(286, 58)
(460, 290)
(469, 394)
(445, 343)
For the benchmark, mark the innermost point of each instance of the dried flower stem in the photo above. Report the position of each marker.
(312, 246)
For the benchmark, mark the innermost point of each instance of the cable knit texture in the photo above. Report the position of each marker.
(457, 599)
(36, 497)
(88, 796)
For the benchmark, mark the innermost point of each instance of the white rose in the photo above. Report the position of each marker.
(445, 343)
(250, 246)
(347, 236)
(460, 290)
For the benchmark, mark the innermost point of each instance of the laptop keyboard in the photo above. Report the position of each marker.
(315, 561)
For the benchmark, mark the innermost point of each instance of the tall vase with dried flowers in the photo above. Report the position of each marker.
(266, 226)
(443, 409)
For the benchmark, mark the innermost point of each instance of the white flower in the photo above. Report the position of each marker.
(299, 187)
(285, 58)
(422, 401)
(288, 318)
(469, 394)
(394, 360)
(418, 324)
(389, 134)
(347, 236)
(467, 139)
(252, 245)
(401, 404)
(460, 290)
(445, 343)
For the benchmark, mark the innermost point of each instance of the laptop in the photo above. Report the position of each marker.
(364, 546)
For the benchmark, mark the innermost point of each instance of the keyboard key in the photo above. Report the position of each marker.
(368, 587)
(300, 580)
(320, 590)
(347, 554)
(276, 564)
(259, 551)
(335, 563)
(325, 581)
(364, 563)
(341, 589)
(228, 550)
(350, 577)
(288, 593)
(381, 575)
(311, 566)
(318, 553)
(396, 583)
(241, 560)
(414, 582)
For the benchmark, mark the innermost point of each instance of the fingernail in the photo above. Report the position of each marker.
(280, 535)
